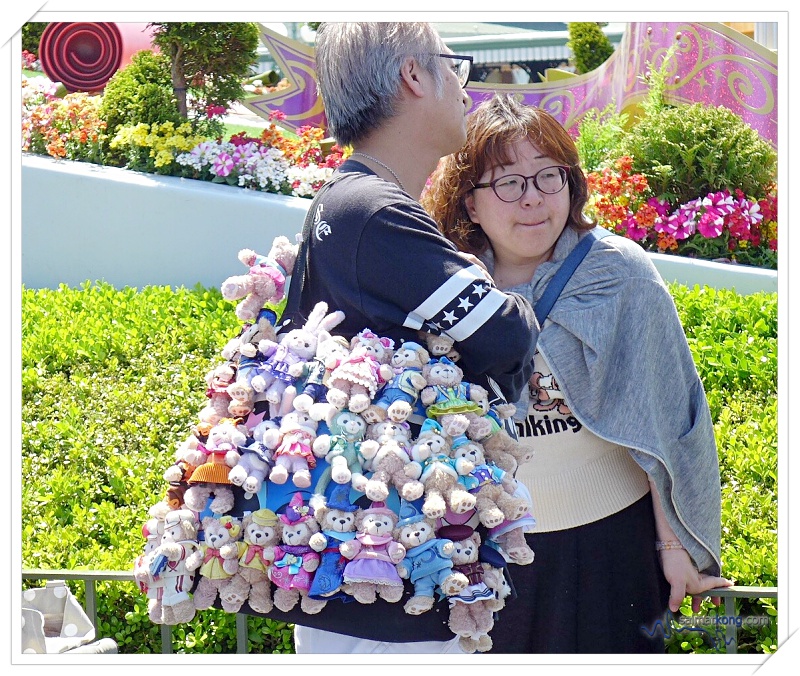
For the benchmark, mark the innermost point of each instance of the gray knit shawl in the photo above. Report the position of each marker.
(619, 353)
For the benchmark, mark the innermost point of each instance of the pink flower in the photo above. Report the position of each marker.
(661, 206)
(738, 225)
(682, 223)
(223, 164)
(710, 224)
(213, 111)
(633, 230)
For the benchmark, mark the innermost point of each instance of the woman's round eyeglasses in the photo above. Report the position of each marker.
(462, 66)
(510, 188)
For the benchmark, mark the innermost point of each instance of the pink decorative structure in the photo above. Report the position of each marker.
(84, 56)
(713, 64)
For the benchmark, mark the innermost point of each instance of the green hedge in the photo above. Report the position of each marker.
(112, 379)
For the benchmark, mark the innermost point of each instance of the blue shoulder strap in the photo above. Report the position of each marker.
(560, 279)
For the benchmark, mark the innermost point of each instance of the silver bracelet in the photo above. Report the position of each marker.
(661, 545)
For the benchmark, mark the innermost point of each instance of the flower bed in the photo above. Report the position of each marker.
(718, 226)
(135, 229)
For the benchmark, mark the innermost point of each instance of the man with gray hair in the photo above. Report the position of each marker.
(395, 93)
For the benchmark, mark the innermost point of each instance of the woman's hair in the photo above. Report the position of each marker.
(492, 129)
(358, 69)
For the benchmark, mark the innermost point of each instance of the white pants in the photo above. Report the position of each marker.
(308, 640)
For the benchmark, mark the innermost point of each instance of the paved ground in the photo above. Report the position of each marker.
(239, 114)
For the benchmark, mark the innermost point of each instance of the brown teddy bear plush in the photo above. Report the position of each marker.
(510, 536)
(261, 533)
(397, 398)
(242, 400)
(295, 560)
(458, 406)
(492, 487)
(435, 468)
(336, 517)
(172, 603)
(471, 610)
(211, 477)
(218, 380)
(217, 561)
(439, 345)
(428, 562)
(389, 464)
(355, 381)
(372, 556)
(498, 445)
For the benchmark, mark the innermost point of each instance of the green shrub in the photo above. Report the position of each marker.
(599, 133)
(691, 150)
(733, 340)
(112, 379)
(31, 34)
(589, 45)
(208, 61)
(140, 93)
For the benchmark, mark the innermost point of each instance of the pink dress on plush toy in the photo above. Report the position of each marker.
(287, 572)
(373, 563)
(295, 449)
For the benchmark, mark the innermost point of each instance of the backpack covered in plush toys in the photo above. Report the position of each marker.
(328, 513)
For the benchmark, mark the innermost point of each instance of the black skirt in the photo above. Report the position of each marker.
(596, 588)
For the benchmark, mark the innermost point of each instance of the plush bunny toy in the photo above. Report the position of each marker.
(283, 360)
(265, 280)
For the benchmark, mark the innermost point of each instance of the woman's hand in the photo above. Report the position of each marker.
(684, 579)
(477, 261)
(677, 566)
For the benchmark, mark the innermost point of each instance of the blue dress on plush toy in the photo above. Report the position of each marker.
(329, 576)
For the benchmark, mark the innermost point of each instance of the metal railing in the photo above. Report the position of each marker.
(729, 595)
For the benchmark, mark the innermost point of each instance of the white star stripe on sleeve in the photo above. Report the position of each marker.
(443, 296)
(488, 305)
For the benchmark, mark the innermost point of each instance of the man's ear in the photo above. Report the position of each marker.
(410, 73)
(469, 205)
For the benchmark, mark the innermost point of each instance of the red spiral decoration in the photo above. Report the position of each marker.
(84, 56)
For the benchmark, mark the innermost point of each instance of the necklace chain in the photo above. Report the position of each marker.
(377, 161)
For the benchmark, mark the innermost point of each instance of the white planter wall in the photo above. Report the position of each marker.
(83, 221)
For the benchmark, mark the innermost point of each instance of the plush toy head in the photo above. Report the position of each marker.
(298, 420)
(410, 355)
(336, 513)
(221, 376)
(469, 450)
(433, 438)
(219, 532)
(417, 533)
(180, 524)
(442, 372)
(261, 527)
(225, 436)
(297, 522)
(465, 540)
(304, 341)
(332, 347)
(347, 424)
(367, 343)
(387, 430)
(378, 520)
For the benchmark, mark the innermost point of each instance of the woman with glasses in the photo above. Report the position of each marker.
(624, 480)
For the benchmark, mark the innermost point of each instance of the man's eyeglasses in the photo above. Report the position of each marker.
(462, 67)
(549, 181)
